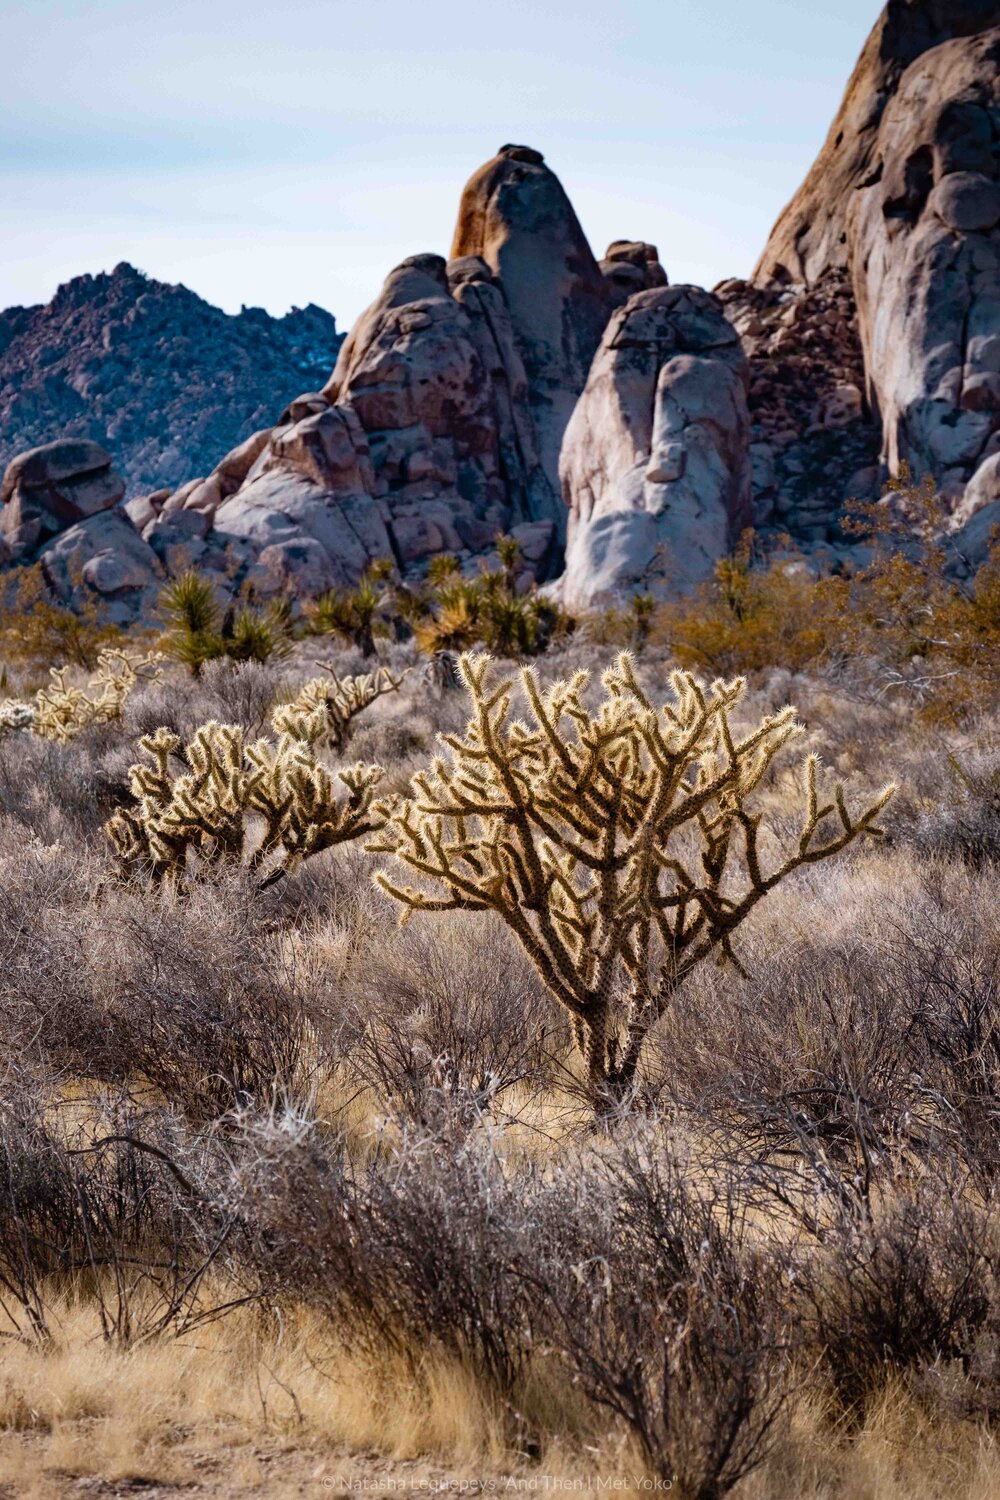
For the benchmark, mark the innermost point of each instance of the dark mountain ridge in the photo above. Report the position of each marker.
(158, 375)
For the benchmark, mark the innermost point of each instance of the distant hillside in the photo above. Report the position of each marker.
(165, 380)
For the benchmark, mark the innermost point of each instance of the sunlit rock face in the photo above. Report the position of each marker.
(655, 464)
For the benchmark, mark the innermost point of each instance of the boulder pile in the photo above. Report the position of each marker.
(624, 430)
(60, 510)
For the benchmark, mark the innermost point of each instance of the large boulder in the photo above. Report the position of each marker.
(904, 199)
(50, 488)
(811, 233)
(655, 464)
(103, 560)
(924, 243)
(515, 215)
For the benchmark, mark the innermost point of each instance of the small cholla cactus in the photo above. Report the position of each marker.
(15, 716)
(266, 806)
(619, 846)
(62, 710)
(321, 712)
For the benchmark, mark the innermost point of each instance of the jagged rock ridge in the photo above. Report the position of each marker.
(165, 380)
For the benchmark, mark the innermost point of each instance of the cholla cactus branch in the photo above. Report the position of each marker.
(62, 710)
(264, 805)
(322, 710)
(617, 845)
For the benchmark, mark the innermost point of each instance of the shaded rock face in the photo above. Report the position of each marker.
(164, 379)
(924, 243)
(811, 233)
(655, 464)
(814, 441)
(515, 216)
(60, 509)
(904, 199)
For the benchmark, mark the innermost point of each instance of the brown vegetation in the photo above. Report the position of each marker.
(291, 1193)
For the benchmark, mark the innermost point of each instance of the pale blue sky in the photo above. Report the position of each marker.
(296, 151)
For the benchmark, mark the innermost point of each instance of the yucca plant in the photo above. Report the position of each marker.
(190, 608)
(197, 631)
(259, 635)
(348, 613)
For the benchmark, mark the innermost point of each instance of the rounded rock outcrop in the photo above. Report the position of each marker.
(655, 465)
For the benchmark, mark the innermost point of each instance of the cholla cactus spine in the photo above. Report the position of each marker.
(15, 717)
(567, 829)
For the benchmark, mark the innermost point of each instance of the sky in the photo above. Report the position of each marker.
(294, 152)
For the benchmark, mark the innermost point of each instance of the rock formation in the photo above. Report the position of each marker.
(153, 372)
(905, 199)
(621, 427)
(814, 441)
(655, 464)
(49, 488)
(60, 509)
(811, 233)
(515, 216)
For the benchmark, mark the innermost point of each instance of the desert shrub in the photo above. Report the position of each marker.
(415, 1248)
(964, 821)
(576, 839)
(189, 998)
(673, 1323)
(36, 629)
(96, 1199)
(198, 631)
(263, 805)
(900, 1290)
(902, 625)
(755, 615)
(445, 1029)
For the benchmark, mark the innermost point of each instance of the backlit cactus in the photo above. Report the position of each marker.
(265, 805)
(618, 845)
(63, 710)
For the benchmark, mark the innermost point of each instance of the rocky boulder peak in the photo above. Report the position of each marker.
(904, 203)
(515, 216)
(655, 465)
(152, 371)
(924, 245)
(421, 442)
(631, 266)
(811, 234)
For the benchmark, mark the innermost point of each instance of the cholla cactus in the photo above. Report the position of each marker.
(264, 805)
(62, 710)
(15, 716)
(618, 846)
(322, 710)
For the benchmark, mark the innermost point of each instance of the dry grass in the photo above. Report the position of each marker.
(375, 1140)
